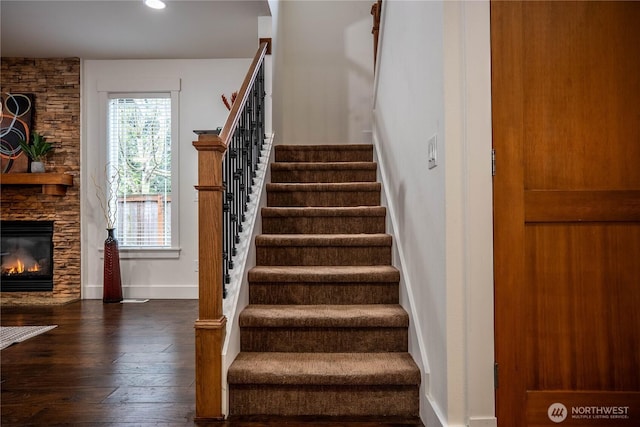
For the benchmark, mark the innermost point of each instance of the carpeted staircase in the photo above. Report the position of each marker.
(323, 333)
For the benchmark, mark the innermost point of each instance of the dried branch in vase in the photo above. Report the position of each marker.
(226, 102)
(107, 195)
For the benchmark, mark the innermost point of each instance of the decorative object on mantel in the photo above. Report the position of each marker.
(15, 121)
(112, 280)
(37, 151)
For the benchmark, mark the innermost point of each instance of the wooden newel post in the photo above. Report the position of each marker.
(211, 324)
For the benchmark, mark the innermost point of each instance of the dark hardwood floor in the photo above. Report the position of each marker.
(113, 365)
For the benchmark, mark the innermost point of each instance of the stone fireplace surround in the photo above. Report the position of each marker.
(56, 86)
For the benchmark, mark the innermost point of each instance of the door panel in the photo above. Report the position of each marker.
(582, 315)
(566, 130)
(581, 92)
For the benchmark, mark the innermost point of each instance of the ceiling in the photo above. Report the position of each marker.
(124, 29)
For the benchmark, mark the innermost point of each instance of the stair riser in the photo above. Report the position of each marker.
(306, 155)
(324, 340)
(323, 255)
(366, 401)
(290, 176)
(323, 198)
(323, 293)
(323, 225)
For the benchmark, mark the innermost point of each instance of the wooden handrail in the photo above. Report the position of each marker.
(210, 327)
(236, 108)
(376, 11)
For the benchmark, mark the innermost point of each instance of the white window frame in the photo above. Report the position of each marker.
(138, 88)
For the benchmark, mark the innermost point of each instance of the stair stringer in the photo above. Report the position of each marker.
(238, 288)
(417, 347)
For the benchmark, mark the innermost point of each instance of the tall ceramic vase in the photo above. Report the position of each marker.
(112, 291)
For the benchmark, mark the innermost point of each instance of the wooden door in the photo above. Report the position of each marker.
(566, 130)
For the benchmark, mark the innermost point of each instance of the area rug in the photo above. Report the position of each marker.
(15, 334)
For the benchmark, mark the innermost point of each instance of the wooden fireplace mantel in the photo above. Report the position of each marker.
(52, 183)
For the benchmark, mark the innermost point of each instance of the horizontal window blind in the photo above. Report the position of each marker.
(139, 153)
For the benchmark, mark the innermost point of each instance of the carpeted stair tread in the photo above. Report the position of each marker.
(331, 240)
(324, 153)
(325, 316)
(345, 369)
(338, 211)
(323, 147)
(324, 273)
(323, 186)
(324, 220)
(370, 284)
(308, 293)
(298, 172)
(334, 166)
(327, 420)
(324, 194)
(323, 249)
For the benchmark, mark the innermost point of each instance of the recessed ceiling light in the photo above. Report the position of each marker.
(155, 4)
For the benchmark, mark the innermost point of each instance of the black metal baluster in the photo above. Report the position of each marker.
(246, 145)
(261, 96)
(238, 178)
(238, 182)
(234, 204)
(240, 166)
(226, 211)
(252, 172)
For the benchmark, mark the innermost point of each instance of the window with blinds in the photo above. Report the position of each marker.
(139, 154)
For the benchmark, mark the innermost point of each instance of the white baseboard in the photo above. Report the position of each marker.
(432, 416)
(483, 422)
(146, 291)
(430, 413)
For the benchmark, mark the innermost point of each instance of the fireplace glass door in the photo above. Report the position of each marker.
(27, 256)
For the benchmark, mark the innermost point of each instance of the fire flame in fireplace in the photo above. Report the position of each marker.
(18, 268)
(19, 263)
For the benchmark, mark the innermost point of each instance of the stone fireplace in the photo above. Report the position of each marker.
(55, 84)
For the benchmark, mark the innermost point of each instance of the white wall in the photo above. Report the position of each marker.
(409, 109)
(433, 78)
(202, 82)
(276, 67)
(323, 72)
